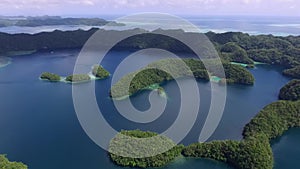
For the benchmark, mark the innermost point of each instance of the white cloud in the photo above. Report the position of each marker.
(132, 6)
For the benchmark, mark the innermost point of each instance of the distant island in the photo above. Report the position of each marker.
(98, 72)
(52, 21)
(232, 46)
(290, 91)
(154, 74)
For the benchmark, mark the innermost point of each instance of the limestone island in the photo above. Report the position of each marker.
(121, 149)
(155, 73)
(78, 78)
(50, 77)
(98, 72)
(290, 91)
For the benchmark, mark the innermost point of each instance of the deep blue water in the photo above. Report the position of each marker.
(38, 123)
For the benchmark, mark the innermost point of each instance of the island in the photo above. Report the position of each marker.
(99, 72)
(50, 77)
(293, 72)
(154, 74)
(231, 46)
(253, 152)
(6, 164)
(30, 21)
(121, 144)
(290, 91)
(78, 78)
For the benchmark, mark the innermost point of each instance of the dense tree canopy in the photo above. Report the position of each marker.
(274, 120)
(293, 72)
(50, 76)
(6, 164)
(78, 78)
(252, 153)
(290, 91)
(100, 72)
(232, 46)
(169, 69)
(124, 146)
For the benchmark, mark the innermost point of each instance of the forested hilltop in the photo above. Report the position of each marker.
(291, 91)
(232, 46)
(158, 73)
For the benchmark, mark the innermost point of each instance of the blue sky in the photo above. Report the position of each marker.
(179, 7)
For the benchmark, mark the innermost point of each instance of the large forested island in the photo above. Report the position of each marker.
(157, 73)
(232, 46)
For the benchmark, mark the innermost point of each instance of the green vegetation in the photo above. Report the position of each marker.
(100, 72)
(290, 91)
(237, 74)
(160, 90)
(293, 72)
(274, 120)
(78, 78)
(252, 153)
(135, 147)
(6, 164)
(154, 74)
(234, 53)
(231, 46)
(50, 76)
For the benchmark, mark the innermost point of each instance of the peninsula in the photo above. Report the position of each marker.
(156, 73)
(253, 152)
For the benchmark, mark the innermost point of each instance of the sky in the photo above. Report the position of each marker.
(177, 7)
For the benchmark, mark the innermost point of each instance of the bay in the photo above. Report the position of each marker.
(38, 123)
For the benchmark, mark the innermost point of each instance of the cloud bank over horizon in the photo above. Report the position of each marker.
(187, 7)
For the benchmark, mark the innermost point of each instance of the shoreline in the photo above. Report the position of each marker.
(8, 61)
